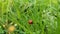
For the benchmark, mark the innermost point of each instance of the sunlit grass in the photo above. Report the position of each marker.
(45, 16)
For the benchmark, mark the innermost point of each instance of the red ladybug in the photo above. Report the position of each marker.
(30, 22)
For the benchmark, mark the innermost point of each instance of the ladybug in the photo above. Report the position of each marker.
(30, 22)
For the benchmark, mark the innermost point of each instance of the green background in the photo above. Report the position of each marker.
(45, 15)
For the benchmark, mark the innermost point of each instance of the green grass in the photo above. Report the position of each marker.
(45, 15)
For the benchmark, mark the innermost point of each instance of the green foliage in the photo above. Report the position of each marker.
(45, 15)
